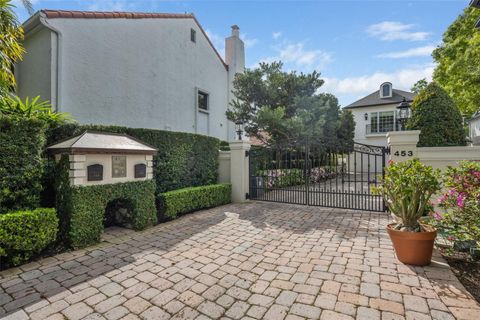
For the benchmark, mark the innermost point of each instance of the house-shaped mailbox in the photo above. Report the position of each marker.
(105, 158)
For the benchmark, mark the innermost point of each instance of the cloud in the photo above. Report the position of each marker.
(413, 52)
(297, 55)
(217, 40)
(365, 84)
(276, 35)
(248, 42)
(110, 5)
(393, 30)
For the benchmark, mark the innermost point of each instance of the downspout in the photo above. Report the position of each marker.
(58, 60)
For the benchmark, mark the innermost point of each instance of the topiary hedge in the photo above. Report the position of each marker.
(172, 203)
(24, 233)
(435, 114)
(82, 208)
(183, 159)
(21, 163)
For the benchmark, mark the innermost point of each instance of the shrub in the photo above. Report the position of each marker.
(172, 203)
(21, 163)
(32, 108)
(407, 188)
(24, 233)
(82, 208)
(183, 159)
(435, 114)
(460, 220)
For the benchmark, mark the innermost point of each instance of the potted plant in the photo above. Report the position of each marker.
(407, 188)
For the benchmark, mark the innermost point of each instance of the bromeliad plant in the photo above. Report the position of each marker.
(460, 220)
(407, 188)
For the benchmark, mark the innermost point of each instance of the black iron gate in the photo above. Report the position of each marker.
(311, 176)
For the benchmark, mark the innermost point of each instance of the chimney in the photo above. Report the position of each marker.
(235, 51)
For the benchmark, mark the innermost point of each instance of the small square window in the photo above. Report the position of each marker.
(193, 35)
(202, 100)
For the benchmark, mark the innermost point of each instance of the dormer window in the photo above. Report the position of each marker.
(385, 90)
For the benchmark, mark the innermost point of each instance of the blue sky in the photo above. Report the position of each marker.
(355, 45)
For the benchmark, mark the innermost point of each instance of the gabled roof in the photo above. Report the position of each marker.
(72, 14)
(102, 142)
(374, 99)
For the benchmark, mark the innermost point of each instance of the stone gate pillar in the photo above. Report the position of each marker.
(403, 145)
(239, 170)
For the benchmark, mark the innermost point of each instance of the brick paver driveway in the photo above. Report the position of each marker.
(255, 260)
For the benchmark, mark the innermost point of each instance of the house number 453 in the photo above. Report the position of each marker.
(403, 153)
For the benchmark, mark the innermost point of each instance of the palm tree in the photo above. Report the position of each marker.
(11, 49)
(28, 5)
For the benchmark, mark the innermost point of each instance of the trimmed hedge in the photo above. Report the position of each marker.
(82, 208)
(183, 159)
(21, 163)
(172, 203)
(25, 233)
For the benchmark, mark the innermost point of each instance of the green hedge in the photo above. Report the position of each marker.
(172, 203)
(21, 163)
(24, 233)
(183, 159)
(82, 208)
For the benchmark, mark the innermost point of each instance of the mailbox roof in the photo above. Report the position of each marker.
(102, 142)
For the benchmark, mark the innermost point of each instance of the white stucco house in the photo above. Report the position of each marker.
(474, 129)
(376, 114)
(144, 70)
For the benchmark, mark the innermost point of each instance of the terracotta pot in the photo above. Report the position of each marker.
(413, 248)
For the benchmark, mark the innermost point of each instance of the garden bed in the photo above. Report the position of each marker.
(468, 273)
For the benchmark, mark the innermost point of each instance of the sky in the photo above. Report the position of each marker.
(355, 45)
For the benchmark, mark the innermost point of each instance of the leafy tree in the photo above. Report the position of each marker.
(419, 86)
(458, 62)
(11, 50)
(435, 114)
(285, 108)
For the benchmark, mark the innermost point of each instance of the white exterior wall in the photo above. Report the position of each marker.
(34, 73)
(140, 73)
(377, 139)
(474, 129)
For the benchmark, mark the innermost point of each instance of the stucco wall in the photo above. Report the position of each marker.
(139, 73)
(474, 129)
(224, 167)
(34, 73)
(361, 136)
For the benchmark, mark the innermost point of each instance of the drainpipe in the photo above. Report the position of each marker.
(58, 60)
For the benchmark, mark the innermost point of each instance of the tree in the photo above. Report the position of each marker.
(458, 62)
(285, 108)
(11, 50)
(435, 114)
(419, 86)
(28, 6)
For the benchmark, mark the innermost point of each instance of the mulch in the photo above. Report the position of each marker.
(468, 273)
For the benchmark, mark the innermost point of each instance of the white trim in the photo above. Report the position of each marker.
(390, 91)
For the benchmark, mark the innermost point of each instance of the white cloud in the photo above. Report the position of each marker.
(393, 30)
(363, 85)
(413, 52)
(297, 55)
(276, 35)
(217, 40)
(248, 42)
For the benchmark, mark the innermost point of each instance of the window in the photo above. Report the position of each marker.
(386, 90)
(193, 35)
(203, 100)
(386, 121)
(374, 122)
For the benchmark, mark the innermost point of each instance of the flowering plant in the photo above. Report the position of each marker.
(407, 188)
(460, 219)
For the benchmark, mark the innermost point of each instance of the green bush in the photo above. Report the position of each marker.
(82, 208)
(172, 203)
(25, 233)
(183, 159)
(435, 114)
(21, 163)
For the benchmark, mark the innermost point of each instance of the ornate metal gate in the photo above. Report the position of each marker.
(311, 176)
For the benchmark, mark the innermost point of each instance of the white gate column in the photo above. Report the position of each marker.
(403, 145)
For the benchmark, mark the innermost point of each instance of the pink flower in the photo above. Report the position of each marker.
(461, 200)
(437, 216)
(452, 192)
(390, 162)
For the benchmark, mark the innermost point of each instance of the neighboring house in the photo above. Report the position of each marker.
(474, 129)
(376, 114)
(145, 70)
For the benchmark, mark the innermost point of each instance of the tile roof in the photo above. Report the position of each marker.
(73, 14)
(374, 99)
